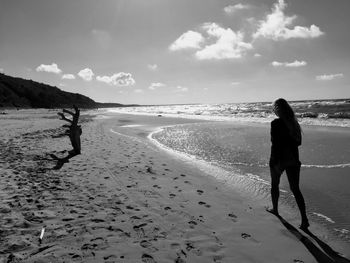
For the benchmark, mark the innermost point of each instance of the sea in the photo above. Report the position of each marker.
(235, 138)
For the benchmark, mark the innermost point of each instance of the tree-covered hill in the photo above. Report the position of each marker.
(22, 93)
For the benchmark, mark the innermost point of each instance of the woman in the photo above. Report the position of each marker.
(285, 138)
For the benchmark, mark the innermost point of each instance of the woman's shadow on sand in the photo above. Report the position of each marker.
(323, 254)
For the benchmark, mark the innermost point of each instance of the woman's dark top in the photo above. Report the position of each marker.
(284, 149)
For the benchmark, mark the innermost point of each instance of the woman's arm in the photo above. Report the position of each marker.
(277, 142)
(276, 133)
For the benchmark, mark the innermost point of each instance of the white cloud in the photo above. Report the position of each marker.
(53, 68)
(117, 79)
(294, 64)
(138, 91)
(219, 43)
(228, 43)
(1, 70)
(257, 55)
(181, 89)
(233, 8)
(86, 74)
(68, 76)
(156, 85)
(276, 26)
(235, 83)
(277, 64)
(329, 77)
(152, 67)
(190, 39)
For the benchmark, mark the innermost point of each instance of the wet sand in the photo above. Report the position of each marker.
(126, 200)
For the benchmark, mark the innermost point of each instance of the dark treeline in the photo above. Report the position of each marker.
(22, 93)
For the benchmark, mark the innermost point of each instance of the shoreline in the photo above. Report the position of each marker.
(243, 183)
(125, 200)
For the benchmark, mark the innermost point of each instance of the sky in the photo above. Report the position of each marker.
(180, 51)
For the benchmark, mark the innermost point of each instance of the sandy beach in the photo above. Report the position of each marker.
(125, 199)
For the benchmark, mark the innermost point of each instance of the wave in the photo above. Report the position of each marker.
(321, 113)
(328, 166)
(328, 219)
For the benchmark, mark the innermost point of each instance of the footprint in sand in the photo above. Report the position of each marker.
(192, 223)
(32, 218)
(148, 245)
(120, 232)
(175, 245)
(132, 208)
(172, 195)
(147, 258)
(150, 170)
(140, 232)
(233, 217)
(190, 247)
(201, 218)
(179, 260)
(247, 236)
(204, 203)
(76, 257)
(110, 257)
(298, 261)
(145, 244)
(200, 192)
(97, 220)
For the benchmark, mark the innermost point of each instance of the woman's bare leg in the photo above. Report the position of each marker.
(275, 191)
(293, 174)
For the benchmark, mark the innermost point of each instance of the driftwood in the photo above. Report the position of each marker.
(74, 130)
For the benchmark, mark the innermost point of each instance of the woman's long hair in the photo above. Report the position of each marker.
(286, 113)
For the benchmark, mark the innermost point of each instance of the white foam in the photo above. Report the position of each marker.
(131, 125)
(257, 178)
(223, 112)
(326, 166)
(324, 217)
(342, 231)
